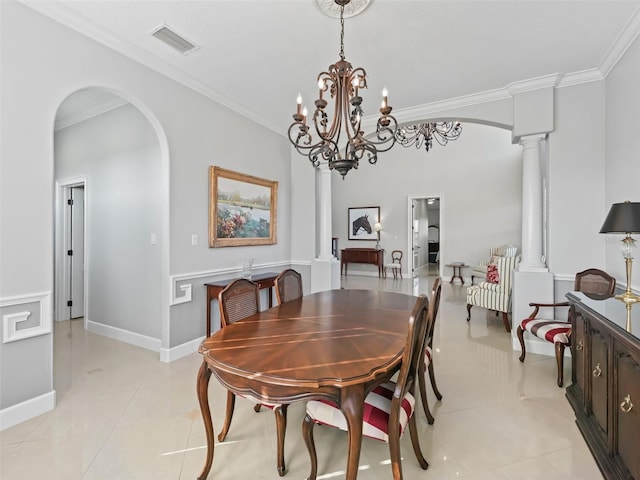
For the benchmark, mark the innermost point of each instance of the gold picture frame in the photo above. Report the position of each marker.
(242, 209)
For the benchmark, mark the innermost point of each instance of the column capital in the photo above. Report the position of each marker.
(531, 141)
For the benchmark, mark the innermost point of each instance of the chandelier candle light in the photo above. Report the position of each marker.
(625, 218)
(341, 83)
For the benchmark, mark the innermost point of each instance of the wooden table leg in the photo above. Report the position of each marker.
(202, 387)
(352, 406)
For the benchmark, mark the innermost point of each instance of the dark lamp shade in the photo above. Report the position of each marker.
(622, 218)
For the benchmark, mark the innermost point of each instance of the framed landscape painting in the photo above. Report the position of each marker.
(242, 209)
(362, 221)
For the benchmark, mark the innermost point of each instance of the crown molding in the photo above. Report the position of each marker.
(621, 44)
(531, 84)
(577, 78)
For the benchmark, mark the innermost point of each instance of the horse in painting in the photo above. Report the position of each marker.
(361, 223)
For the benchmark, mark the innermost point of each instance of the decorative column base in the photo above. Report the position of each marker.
(325, 274)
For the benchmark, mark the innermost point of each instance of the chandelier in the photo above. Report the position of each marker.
(341, 84)
(424, 133)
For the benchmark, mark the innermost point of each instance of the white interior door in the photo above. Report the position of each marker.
(75, 251)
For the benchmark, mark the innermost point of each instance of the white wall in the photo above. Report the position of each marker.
(478, 178)
(576, 169)
(622, 175)
(119, 154)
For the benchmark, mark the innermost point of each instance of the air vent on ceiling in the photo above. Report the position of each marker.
(174, 40)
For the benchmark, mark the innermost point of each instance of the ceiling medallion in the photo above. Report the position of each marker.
(331, 8)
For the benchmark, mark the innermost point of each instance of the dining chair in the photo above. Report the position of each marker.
(395, 265)
(241, 299)
(593, 282)
(389, 407)
(434, 303)
(288, 285)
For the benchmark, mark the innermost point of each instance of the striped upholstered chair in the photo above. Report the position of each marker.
(592, 282)
(495, 296)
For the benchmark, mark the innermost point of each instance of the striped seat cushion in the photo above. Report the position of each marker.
(377, 407)
(428, 355)
(552, 331)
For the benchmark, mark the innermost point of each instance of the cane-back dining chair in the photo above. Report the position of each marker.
(593, 282)
(241, 299)
(434, 303)
(389, 407)
(288, 286)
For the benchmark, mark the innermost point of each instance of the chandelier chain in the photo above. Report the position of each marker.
(342, 32)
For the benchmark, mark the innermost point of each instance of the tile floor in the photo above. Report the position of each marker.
(122, 414)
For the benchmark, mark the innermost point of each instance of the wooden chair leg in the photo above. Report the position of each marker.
(423, 394)
(415, 442)
(560, 362)
(256, 407)
(231, 401)
(469, 311)
(505, 320)
(307, 434)
(281, 427)
(520, 333)
(432, 377)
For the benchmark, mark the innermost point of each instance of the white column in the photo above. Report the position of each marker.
(324, 212)
(325, 269)
(531, 205)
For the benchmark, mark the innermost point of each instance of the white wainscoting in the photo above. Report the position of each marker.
(11, 321)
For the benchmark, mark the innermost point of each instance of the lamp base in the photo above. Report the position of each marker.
(628, 298)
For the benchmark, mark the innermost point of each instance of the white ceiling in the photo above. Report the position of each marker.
(256, 55)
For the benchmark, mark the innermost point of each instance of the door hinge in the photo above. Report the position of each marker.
(69, 303)
(70, 252)
(69, 201)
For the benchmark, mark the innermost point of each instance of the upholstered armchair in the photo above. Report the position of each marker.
(495, 296)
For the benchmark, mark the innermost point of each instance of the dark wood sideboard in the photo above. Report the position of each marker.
(361, 255)
(605, 394)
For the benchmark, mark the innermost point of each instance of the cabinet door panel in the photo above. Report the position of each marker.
(578, 342)
(598, 374)
(628, 416)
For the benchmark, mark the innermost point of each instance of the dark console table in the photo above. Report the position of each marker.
(605, 394)
(361, 255)
(264, 280)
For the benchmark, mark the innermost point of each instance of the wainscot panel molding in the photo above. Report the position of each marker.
(26, 410)
(185, 289)
(11, 320)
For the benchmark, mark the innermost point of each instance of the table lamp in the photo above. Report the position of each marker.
(378, 227)
(625, 218)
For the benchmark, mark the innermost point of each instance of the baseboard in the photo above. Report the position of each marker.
(171, 354)
(126, 336)
(27, 410)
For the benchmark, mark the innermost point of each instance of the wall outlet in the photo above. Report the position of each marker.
(154, 238)
(194, 239)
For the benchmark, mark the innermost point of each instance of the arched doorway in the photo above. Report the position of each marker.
(112, 152)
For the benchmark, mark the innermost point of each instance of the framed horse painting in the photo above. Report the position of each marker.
(362, 221)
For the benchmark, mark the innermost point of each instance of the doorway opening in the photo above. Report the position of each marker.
(70, 251)
(425, 235)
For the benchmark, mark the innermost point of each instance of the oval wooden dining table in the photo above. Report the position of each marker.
(336, 344)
